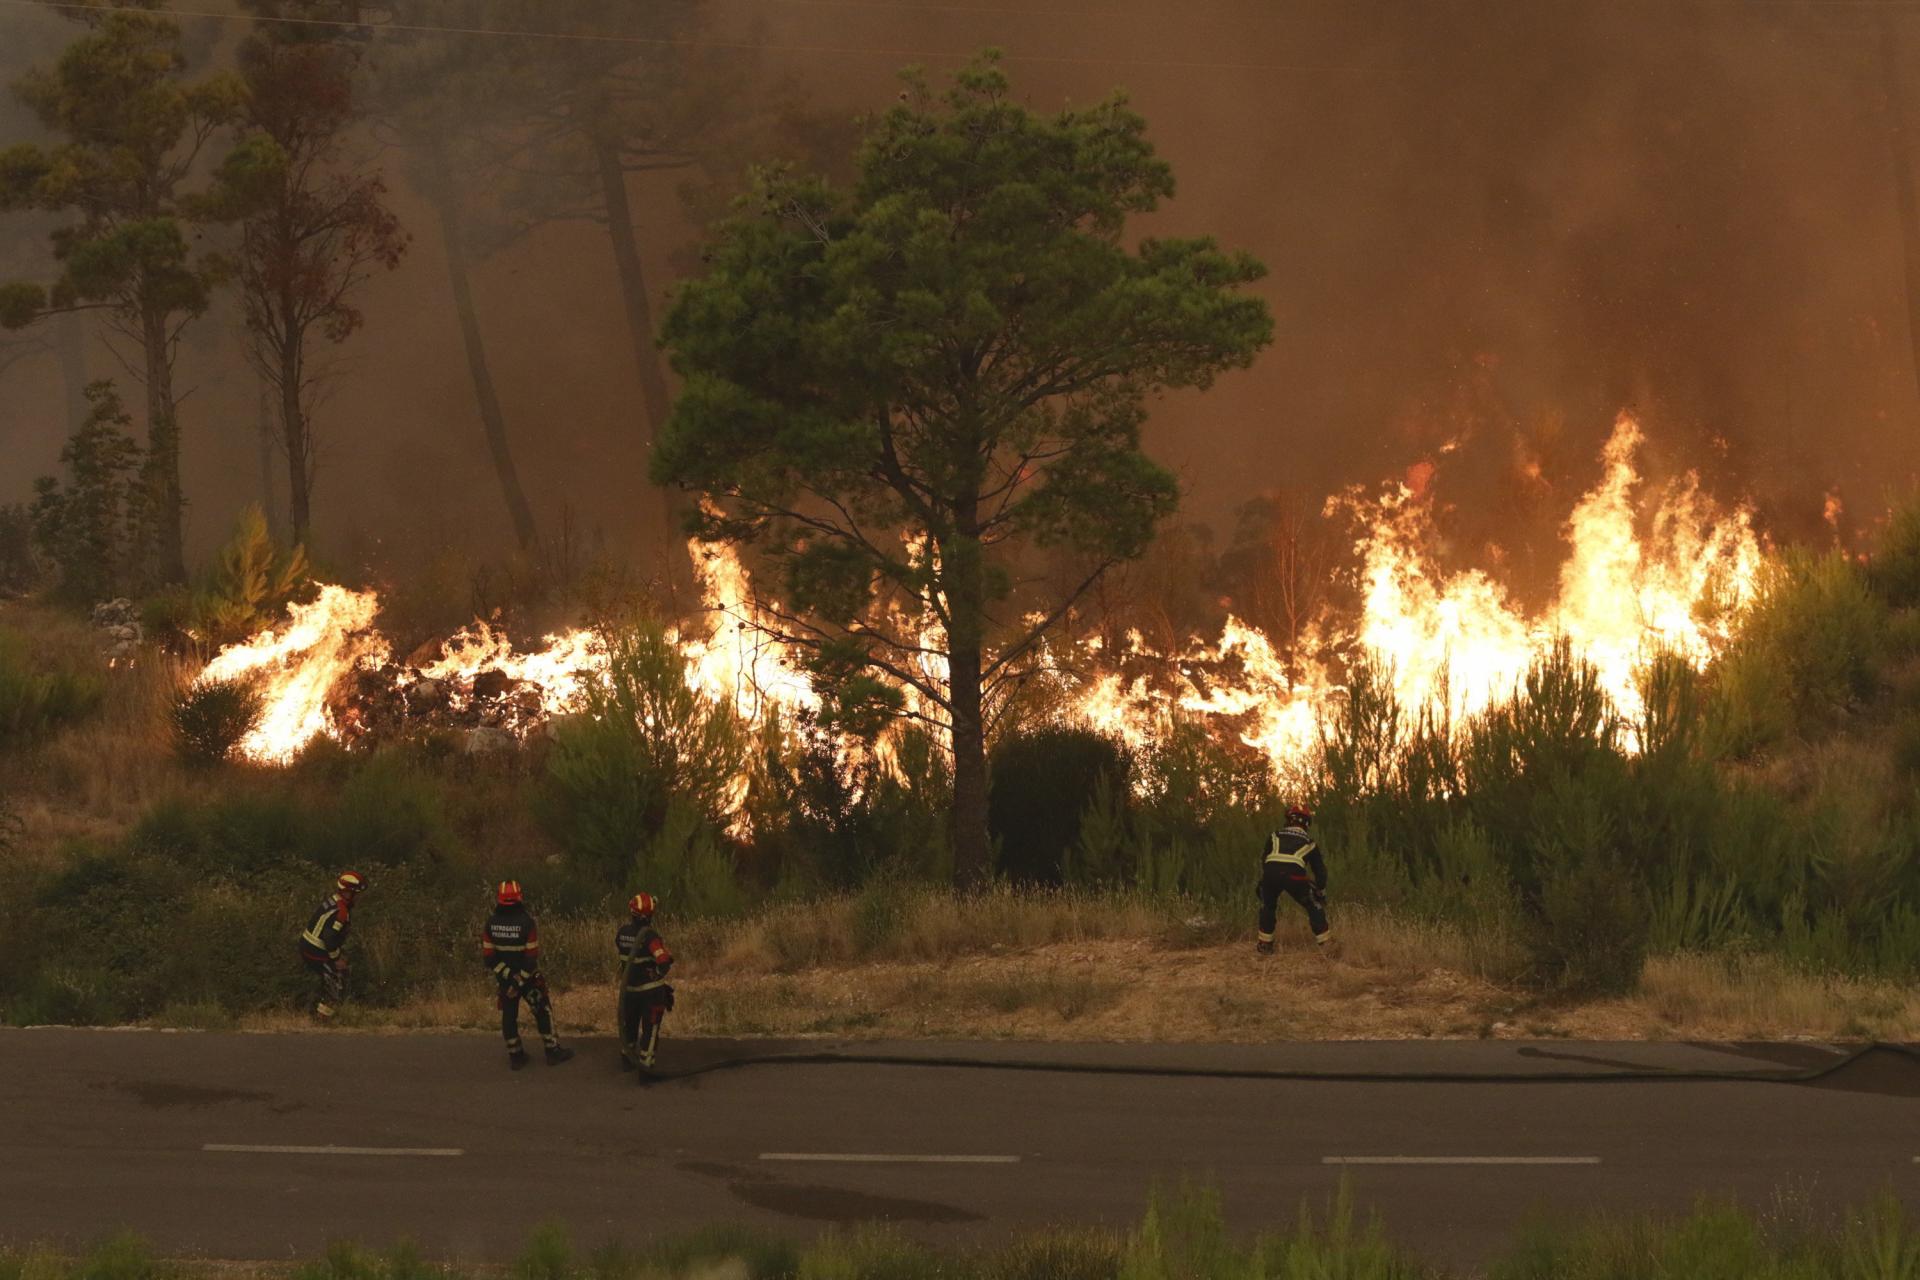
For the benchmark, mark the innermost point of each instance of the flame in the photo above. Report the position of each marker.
(1647, 570)
(1458, 644)
(298, 666)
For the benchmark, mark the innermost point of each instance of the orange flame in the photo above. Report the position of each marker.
(297, 667)
(1643, 574)
(1457, 645)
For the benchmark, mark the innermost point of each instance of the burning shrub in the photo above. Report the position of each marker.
(1043, 781)
(211, 718)
(820, 819)
(647, 741)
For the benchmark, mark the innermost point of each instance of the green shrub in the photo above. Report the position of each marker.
(237, 833)
(22, 568)
(759, 1255)
(1894, 571)
(548, 1255)
(211, 718)
(1184, 1233)
(33, 702)
(646, 744)
(872, 1253)
(249, 584)
(1043, 782)
(387, 812)
(94, 523)
(1811, 645)
(1590, 933)
(822, 819)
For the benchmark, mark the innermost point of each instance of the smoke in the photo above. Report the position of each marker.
(1491, 226)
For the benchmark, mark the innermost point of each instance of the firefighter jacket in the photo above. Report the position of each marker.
(644, 958)
(326, 931)
(510, 944)
(1297, 856)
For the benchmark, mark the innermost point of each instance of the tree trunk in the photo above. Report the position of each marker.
(964, 581)
(162, 469)
(972, 847)
(446, 205)
(293, 427)
(269, 484)
(655, 399)
(1904, 194)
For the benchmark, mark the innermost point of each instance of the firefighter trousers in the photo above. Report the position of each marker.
(1278, 880)
(641, 1013)
(533, 989)
(332, 985)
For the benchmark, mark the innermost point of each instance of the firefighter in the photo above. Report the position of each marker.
(645, 996)
(510, 945)
(1294, 867)
(323, 943)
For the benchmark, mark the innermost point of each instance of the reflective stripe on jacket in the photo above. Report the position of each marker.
(326, 932)
(644, 958)
(510, 943)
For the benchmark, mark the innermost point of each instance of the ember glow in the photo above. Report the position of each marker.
(1646, 572)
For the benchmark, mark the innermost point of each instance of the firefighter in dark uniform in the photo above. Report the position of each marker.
(645, 996)
(510, 945)
(323, 943)
(1293, 867)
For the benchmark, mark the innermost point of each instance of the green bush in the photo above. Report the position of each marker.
(823, 819)
(387, 812)
(21, 566)
(646, 744)
(1590, 933)
(33, 702)
(1810, 646)
(1043, 782)
(211, 718)
(249, 584)
(1894, 570)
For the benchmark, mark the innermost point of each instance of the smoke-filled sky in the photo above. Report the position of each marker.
(1495, 222)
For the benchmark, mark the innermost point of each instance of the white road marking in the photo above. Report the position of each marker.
(836, 1157)
(1459, 1159)
(333, 1151)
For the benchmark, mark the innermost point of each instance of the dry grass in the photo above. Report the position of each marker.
(92, 781)
(1756, 998)
(1079, 968)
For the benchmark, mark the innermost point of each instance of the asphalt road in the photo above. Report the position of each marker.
(268, 1146)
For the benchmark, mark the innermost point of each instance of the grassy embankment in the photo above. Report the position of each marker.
(1182, 1236)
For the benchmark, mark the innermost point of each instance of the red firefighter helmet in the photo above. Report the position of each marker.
(1298, 815)
(643, 905)
(350, 882)
(509, 893)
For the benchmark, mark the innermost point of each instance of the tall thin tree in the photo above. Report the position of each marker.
(312, 232)
(134, 129)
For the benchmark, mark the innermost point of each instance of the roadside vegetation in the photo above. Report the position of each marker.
(1182, 1233)
(1744, 869)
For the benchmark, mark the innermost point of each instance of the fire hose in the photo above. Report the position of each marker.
(1905, 1053)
